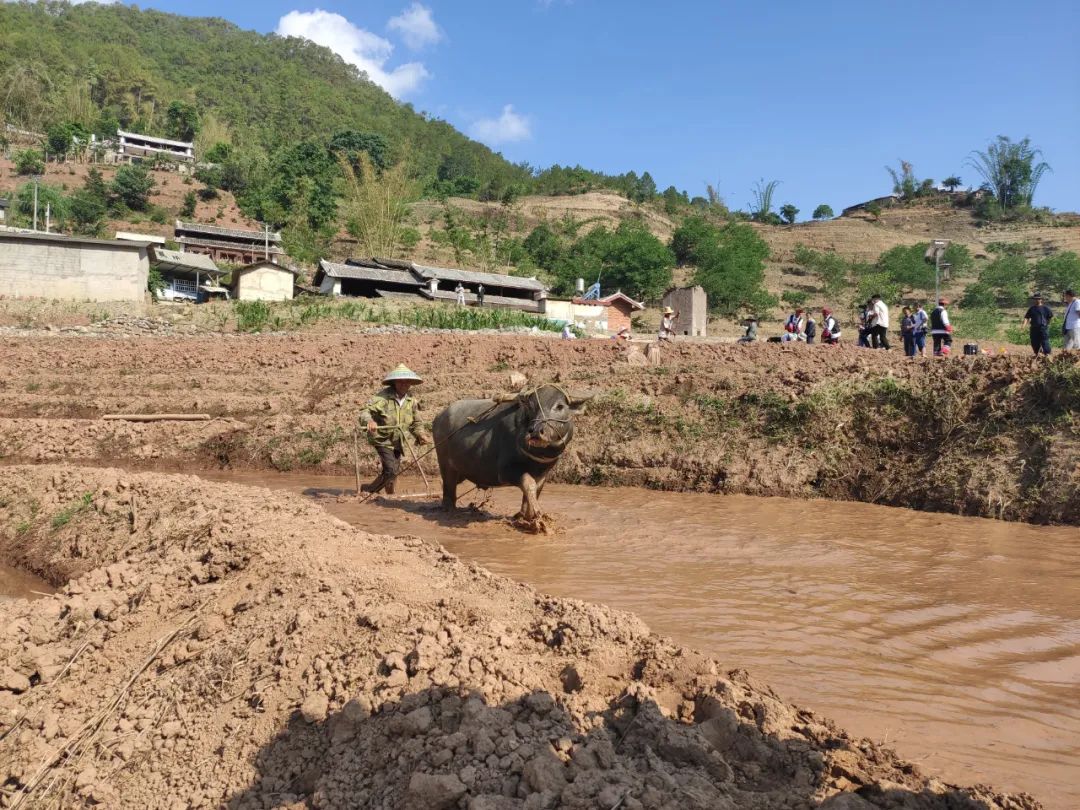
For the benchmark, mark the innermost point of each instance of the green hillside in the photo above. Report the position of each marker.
(99, 66)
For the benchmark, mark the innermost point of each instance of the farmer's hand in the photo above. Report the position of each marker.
(372, 428)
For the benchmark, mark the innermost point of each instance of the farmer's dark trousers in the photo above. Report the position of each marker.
(1040, 341)
(879, 337)
(390, 458)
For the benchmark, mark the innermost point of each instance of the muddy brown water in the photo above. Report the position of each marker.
(954, 640)
(16, 584)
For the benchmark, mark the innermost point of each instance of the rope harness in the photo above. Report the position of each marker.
(543, 419)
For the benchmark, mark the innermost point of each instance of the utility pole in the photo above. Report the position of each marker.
(48, 216)
(938, 247)
(266, 240)
(35, 202)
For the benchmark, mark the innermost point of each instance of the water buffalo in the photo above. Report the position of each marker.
(496, 443)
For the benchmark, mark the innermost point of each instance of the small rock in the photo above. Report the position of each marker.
(12, 681)
(315, 707)
(434, 791)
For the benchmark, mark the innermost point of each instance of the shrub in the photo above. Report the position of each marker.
(29, 161)
(795, 298)
(976, 322)
(1059, 272)
(187, 210)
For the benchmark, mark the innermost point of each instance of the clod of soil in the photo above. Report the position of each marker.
(219, 645)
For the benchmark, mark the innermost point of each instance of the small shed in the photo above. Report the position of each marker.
(693, 307)
(263, 281)
(616, 310)
(187, 276)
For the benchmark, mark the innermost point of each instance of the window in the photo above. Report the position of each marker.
(185, 286)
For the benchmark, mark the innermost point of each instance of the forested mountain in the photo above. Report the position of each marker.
(100, 66)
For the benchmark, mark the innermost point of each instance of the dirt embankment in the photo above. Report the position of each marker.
(226, 646)
(989, 436)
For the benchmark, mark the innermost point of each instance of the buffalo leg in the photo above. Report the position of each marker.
(449, 487)
(530, 509)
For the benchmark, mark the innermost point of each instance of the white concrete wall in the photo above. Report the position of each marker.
(265, 284)
(330, 286)
(72, 271)
(587, 316)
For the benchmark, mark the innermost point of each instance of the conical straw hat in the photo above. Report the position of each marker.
(402, 372)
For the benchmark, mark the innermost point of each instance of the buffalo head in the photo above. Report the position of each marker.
(546, 420)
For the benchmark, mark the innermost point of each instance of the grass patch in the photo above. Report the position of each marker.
(65, 515)
(251, 316)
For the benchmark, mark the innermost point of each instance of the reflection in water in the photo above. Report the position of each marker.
(955, 640)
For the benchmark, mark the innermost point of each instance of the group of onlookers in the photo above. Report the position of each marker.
(916, 324)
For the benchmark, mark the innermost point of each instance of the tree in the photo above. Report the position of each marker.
(905, 184)
(87, 212)
(823, 212)
(48, 198)
(628, 258)
(1010, 171)
(351, 144)
(182, 121)
(95, 185)
(543, 246)
(731, 268)
(761, 207)
(29, 161)
(690, 236)
(1008, 276)
(951, 182)
(132, 186)
(376, 203)
(59, 139)
(1059, 272)
(788, 212)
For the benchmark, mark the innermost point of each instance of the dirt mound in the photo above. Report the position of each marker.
(987, 436)
(226, 646)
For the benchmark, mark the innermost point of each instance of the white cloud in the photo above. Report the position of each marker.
(416, 26)
(507, 128)
(368, 51)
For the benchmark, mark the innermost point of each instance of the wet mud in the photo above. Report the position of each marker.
(956, 640)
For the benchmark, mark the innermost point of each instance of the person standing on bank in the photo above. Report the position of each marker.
(922, 321)
(941, 329)
(667, 324)
(1037, 319)
(387, 417)
(1071, 327)
(879, 333)
(907, 332)
(480, 295)
(460, 290)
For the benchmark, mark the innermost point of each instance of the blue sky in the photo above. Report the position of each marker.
(820, 96)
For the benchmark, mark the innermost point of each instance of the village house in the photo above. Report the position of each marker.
(72, 268)
(187, 276)
(263, 280)
(133, 147)
(386, 278)
(228, 245)
(693, 307)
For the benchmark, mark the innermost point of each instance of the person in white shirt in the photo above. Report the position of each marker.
(941, 329)
(667, 324)
(460, 290)
(879, 334)
(1071, 327)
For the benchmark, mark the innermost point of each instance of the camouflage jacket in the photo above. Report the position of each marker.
(393, 418)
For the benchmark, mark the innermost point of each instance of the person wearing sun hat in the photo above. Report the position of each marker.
(387, 417)
(667, 324)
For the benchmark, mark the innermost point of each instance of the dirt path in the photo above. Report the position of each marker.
(225, 646)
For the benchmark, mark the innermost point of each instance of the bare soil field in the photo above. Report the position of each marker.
(221, 646)
(992, 436)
